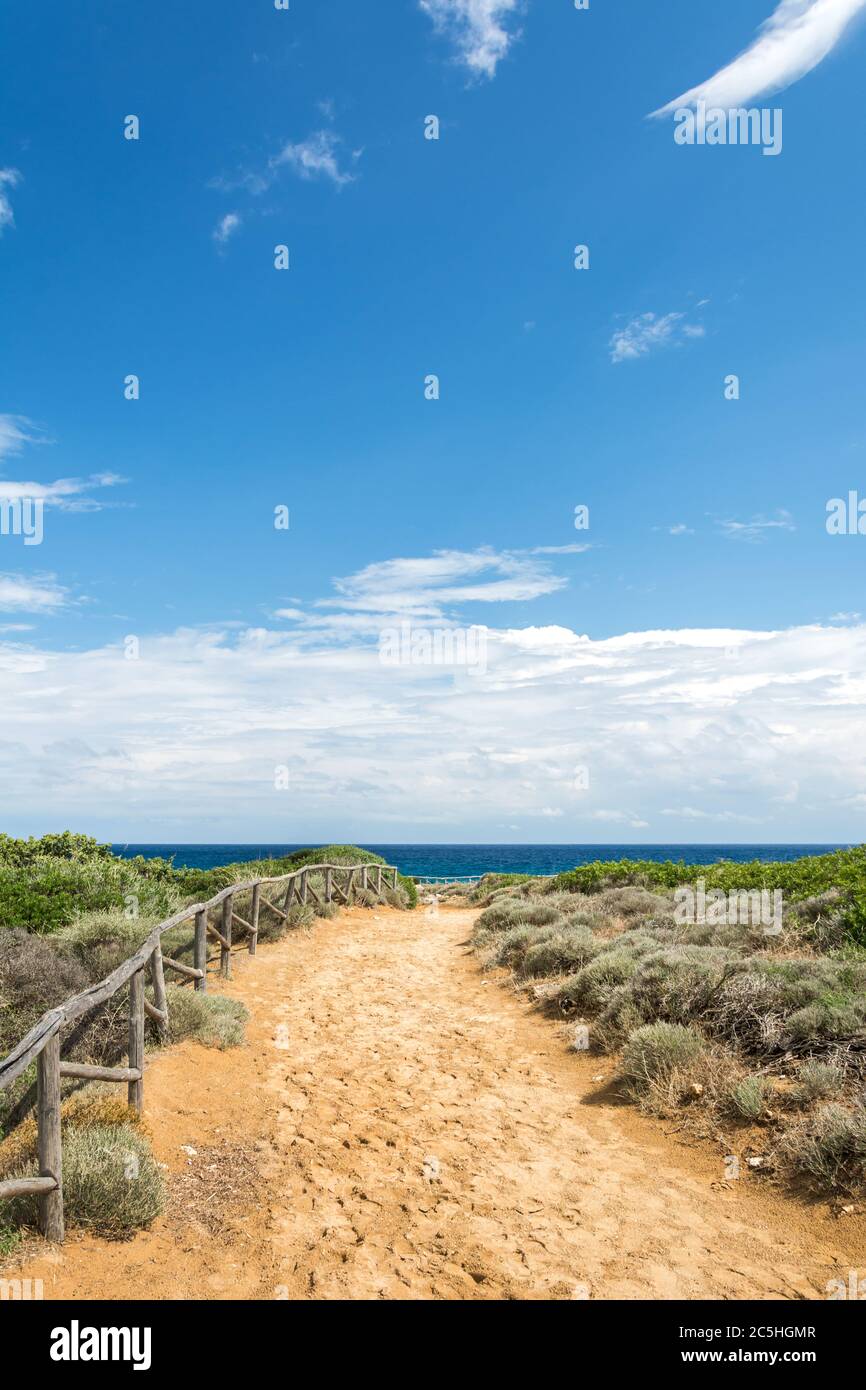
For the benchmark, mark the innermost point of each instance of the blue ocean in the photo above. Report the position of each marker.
(461, 860)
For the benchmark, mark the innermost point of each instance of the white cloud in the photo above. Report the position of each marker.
(9, 178)
(39, 594)
(65, 494)
(795, 39)
(680, 529)
(226, 227)
(477, 28)
(430, 586)
(184, 742)
(316, 157)
(647, 332)
(758, 528)
(15, 432)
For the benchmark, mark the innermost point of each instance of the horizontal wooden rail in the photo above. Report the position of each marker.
(42, 1043)
(85, 1073)
(27, 1187)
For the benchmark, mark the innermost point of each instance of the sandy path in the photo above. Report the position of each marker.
(401, 1126)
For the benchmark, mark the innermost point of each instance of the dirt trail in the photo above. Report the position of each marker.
(401, 1126)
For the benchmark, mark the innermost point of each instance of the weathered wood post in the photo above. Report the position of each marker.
(394, 885)
(329, 884)
(379, 882)
(254, 918)
(50, 1143)
(350, 883)
(135, 1089)
(226, 943)
(364, 878)
(200, 959)
(304, 887)
(160, 998)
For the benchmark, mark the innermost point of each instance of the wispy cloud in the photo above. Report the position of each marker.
(647, 332)
(15, 432)
(9, 178)
(431, 586)
(66, 494)
(795, 39)
(31, 594)
(226, 227)
(477, 28)
(316, 157)
(758, 528)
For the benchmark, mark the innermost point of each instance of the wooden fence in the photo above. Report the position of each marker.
(43, 1043)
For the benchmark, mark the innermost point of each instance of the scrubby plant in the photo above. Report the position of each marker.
(92, 1106)
(111, 1182)
(747, 1100)
(211, 1019)
(512, 912)
(655, 1052)
(560, 950)
(829, 1148)
(818, 1080)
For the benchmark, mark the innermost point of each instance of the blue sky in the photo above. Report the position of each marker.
(305, 388)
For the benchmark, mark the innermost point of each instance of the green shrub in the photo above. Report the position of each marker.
(748, 1099)
(211, 1019)
(843, 871)
(512, 912)
(655, 1052)
(49, 893)
(818, 1081)
(111, 1183)
(560, 950)
(593, 986)
(829, 1149)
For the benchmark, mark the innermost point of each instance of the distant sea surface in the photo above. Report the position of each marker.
(458, 860)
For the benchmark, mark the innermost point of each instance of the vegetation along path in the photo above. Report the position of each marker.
(399, 1125)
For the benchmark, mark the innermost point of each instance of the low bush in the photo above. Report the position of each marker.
(211, 1019)
(111, 1183)
(91, 1107)
(655, 1052)
(747, 1100)
(829, 1149)
(818, 1081)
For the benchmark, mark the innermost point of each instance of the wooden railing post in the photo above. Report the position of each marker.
(254, 918)
(329, 885)
(135, 1091)
(226, 943)
(304, 887)
(160, 999)
(290, 893)
(364, 878)
(379, 882)
(200, 956)
(394, 885)
(50, 1142)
